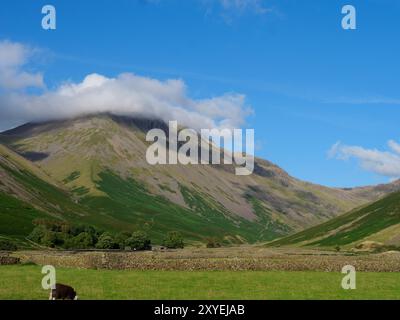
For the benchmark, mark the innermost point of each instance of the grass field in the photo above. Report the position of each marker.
(24, 282)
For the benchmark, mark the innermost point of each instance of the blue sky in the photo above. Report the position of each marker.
(310, 83)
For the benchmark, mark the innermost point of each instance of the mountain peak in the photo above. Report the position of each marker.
(37, 127)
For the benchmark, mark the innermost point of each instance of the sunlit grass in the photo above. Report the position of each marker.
(24, 282)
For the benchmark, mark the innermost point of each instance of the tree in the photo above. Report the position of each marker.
(49, 239)
(121, 238)
(37, 234)
(6, 245)
(213, 243)
(55, 233)
(174, 240)
(46, 237)
(106, 241)
(138, 241)
(75, 230)
(82, 241)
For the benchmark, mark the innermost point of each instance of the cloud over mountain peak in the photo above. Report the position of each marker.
(125, 94)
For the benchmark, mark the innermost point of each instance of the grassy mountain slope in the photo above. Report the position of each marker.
(27, 193)
(94, 168)
(379, 221)
(128, 206)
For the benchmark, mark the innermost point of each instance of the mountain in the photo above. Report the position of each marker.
(93, 169)
(376, 222)
(26, 193)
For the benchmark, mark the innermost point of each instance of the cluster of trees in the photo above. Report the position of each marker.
(58, 234)
(213, 243)
(6, 245)
(174, 240)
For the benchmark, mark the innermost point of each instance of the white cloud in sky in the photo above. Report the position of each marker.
(394, 146)
(229, 10)
(385, 163)
(126, 94)
(237, 7)
(255, 6)
(13, 56)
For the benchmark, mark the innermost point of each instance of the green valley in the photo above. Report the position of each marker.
(379, 221)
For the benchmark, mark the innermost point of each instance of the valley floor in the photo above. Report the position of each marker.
(24, 282)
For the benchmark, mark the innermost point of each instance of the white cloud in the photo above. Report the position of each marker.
(230, 109)
(126, 94)
(236, 7)
(13, 56)
(394, 146)
(385, 163)
(255, 6)
(229, 10)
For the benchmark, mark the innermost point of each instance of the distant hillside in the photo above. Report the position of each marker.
(379, 221)
(93, 169)
(26, 193)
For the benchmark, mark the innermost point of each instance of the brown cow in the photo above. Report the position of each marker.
(63, 292)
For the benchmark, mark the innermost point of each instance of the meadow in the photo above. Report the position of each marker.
(245, 272)
(24, 282)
